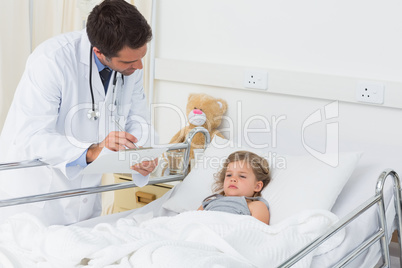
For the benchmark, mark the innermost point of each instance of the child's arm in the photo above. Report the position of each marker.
(259, 211)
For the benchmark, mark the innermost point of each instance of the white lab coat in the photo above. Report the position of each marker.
(48, 120)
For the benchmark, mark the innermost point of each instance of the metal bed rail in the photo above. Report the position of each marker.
(22, 164)
(380, 235)
(103, 188)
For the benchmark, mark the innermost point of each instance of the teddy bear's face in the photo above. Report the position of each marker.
(204, 110)
(197, 117)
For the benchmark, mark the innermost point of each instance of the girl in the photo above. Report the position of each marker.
(238, 186)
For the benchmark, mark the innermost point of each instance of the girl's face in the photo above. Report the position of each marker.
(240, 180)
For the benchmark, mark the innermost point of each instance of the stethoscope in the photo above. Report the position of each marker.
(93, 113)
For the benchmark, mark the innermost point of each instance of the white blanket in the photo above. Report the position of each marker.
(190, 239)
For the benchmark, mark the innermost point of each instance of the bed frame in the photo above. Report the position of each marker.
(377, 199)
(103, 188)
(380, 235)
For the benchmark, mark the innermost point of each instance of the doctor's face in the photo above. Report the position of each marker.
(127, 61)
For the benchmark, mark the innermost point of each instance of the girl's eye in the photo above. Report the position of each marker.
(228, 175)
(243, 177)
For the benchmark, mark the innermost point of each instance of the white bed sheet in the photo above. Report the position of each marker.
(191, 239)
(154, 207)
(359, 188)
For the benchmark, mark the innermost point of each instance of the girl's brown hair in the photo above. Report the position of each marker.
(258, 164)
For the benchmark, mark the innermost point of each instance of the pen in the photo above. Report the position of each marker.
(121, 129)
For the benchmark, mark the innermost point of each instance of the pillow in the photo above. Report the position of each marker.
(307, 183)
(298, 182)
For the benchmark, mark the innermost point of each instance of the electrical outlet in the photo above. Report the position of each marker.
(370, 92)
(257, 79)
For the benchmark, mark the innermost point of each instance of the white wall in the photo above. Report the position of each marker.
(357, 38)
(338, 42)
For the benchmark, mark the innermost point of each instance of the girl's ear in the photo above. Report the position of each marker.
(258, 186)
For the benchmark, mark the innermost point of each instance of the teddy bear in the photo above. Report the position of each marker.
(202, 111)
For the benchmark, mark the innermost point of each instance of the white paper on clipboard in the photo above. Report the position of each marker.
(121, 161)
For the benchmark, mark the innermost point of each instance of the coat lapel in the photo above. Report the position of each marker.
(85, 58)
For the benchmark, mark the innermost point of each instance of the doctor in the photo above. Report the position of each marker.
(64, 112)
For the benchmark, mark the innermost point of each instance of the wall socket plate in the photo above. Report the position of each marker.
(370, 92)
(257, 79)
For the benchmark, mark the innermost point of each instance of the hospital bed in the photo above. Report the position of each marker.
(356, 232)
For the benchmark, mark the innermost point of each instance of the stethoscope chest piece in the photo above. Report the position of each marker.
(93, 114)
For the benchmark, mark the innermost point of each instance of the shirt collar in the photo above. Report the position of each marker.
(99, 64)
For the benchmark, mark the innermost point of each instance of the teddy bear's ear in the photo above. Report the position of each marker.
(192, 96)
(223, 104)
(189, 100)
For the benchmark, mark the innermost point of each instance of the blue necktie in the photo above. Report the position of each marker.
(105, 77)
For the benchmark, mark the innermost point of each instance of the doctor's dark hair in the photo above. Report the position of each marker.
(258, 164)
(114, 24)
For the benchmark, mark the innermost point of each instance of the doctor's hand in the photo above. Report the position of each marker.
(145, 167)
(115, 141)
(119, 140)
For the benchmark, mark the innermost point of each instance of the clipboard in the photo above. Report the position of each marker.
(120, 162)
